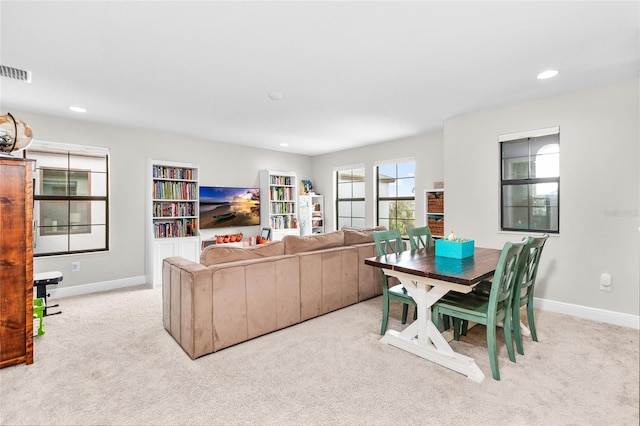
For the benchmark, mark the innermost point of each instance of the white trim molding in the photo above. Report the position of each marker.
(529, 134)
(594, 314)
(77, 290)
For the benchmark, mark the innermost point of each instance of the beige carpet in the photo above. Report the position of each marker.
(107, 360)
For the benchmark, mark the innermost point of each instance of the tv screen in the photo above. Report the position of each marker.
(224, 206)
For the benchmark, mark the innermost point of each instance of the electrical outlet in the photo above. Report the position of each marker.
(75, 266)
(605, 282)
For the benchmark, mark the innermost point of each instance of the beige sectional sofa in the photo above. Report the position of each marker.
(235, 294)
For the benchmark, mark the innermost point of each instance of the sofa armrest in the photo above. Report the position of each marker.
(206, 309)
(186, 303)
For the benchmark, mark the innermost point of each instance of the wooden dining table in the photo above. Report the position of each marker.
(427, 278)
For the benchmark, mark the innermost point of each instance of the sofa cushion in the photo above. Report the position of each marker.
(355, 228)
(353, 236)
(273, 248)
(216, 254)
(294, 244)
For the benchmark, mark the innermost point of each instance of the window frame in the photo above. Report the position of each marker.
(529, 137)
(70, 151)
(351, 199)
(396, 199)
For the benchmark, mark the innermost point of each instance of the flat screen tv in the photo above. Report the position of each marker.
(222, 206)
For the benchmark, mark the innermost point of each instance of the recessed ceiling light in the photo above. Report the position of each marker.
(77, 109)
(275, 96)
(284, 144)
(547, 74)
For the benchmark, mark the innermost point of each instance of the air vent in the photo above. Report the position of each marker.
(15, 73)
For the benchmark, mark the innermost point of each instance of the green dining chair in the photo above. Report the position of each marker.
(390, 242)
(523, 291)
(420, 237)
(488, 311)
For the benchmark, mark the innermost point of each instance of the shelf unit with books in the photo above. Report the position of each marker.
(435, 211)
(172, 211)
(311, 214)
(279, 203)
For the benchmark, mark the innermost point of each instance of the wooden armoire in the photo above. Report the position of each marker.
(16, 261)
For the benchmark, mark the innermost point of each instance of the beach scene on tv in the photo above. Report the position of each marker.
(223, 206)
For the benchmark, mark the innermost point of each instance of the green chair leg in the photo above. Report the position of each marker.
(493, 352)
(446, 320)
(405, 310)
(508, 337)
(385, 315)
(465, 327)
(517, 333)
(532, 324)
(456, 328)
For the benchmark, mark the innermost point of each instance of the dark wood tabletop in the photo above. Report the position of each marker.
(425, 263)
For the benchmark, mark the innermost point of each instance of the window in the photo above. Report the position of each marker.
(396, 187)
(71, 201)
(530, 181)
(350, 200)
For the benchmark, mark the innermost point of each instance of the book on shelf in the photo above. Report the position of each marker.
(281, 180)
(167, 172)
(282, 222)
(281, 194)
(176, 209)
(175, 228)
(282, 208)
(175, 190)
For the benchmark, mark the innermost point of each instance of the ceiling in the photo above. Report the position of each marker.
(349, 73)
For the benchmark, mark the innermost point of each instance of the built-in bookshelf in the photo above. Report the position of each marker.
(175, 202)
(435, 211)
(173, 214)
(279, 203)
(311, 214)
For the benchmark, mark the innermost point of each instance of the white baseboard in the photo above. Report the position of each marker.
(78, 290)
(595, 314)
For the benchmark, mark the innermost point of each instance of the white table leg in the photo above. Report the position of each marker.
(423, 338)
(524, 330)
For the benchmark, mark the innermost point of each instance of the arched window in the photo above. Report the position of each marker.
(530, 181)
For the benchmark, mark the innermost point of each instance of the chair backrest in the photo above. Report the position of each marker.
(532, 250)
(420, 237)
(388, 242)
(508, 273)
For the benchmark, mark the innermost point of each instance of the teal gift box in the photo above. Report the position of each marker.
(454, 249)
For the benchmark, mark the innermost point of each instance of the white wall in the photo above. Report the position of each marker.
(425, 149)
(220, 164)
(599, 190)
